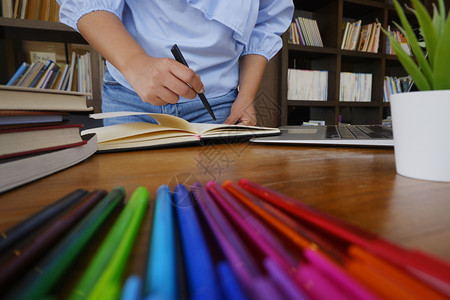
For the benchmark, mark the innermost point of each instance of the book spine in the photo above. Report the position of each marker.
(16, 77)
(41, 72)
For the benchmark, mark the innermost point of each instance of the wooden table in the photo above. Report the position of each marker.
(358, 185)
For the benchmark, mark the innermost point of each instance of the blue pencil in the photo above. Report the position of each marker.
(132, 289)
(199, 265)
(161, 280)
(230, 281)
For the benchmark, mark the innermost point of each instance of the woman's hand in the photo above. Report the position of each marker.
(162, 80)
(250, 75)
(242, 112)
(156, 80)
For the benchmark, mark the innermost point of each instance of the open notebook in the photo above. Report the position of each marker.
(346, 135)
(170, 131)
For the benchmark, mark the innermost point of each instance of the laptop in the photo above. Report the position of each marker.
(344, 135)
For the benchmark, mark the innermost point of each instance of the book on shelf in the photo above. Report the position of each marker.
(31, 74)
(353, 39)
(399, 37)
(395, 85)
(44, 10)
(355, 87)
(75, 76)
(18, 74)
(34, 139)
(365, 37)
(24, 169)
(359, 37)
(304, 31)
(25, 98)
(309, 85)
(170, 131)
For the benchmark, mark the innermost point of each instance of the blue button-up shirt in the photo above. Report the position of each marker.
(211, 34)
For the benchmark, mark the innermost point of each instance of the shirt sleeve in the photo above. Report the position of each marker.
(274, 17)
(71, 11)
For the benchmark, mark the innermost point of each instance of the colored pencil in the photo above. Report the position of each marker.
(201, 275)
(108, 285)
(132, 289)
(434, 271)
(264, 241)
(40, 244)
(230, 287)
(25, 228)
(242, 262)
(161, 276)
(51, 268)
(348, 286)
(113, 249)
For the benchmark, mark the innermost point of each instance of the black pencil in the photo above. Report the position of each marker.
(43, 241)
(9, 238)
(179, 57)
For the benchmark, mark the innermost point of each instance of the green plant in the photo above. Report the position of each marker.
(431, 72)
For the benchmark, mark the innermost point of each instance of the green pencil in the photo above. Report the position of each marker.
(110, 281)
(113, 247)
(47, 273)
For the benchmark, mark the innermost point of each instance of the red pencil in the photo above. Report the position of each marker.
(432, 270)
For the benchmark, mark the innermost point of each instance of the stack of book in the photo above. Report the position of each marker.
(365, 38)
(305, 32)
(355, 87)
(35, 137)
(395, 85)
(68, 77)
(307, 85)
(44, 10)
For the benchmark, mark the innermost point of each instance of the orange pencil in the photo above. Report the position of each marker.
(397, 275)
(249, 200)
(380, 285)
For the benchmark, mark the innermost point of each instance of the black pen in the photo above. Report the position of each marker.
(179, 57)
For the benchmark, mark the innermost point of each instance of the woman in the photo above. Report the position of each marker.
(225, 43)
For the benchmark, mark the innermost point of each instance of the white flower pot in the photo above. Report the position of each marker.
(421, 128)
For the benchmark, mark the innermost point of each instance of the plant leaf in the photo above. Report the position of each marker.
(408, 63)
(427, 29)
(442, 13)
(411, 37)
(441, 65)
(437, 20)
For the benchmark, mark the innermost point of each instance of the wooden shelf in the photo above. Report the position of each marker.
(13, 31)
(330, 16)
(36, 30)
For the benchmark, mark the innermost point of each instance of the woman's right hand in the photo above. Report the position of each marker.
(156, 80)
(162, 80)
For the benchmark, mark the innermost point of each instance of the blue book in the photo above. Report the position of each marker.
(22, 69)
(200, 268)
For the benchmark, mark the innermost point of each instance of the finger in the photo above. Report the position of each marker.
(169, 96)
(245, 120)
(231, 120)
(179, 87)
(188, 76)
(162, 96)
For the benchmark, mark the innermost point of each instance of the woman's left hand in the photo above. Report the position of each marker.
(242, 112)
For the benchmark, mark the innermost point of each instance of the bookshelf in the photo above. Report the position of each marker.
(330, 17)
(14, 31)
